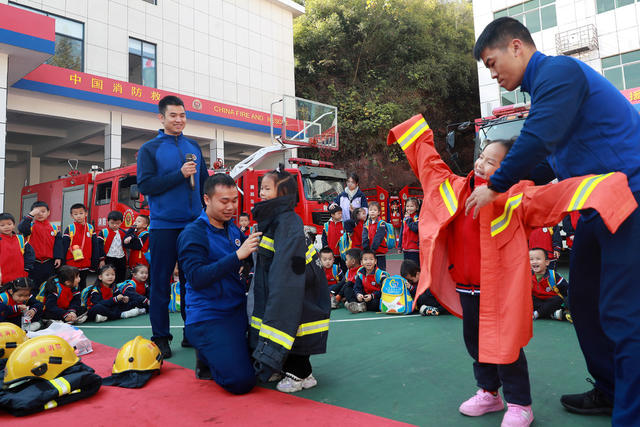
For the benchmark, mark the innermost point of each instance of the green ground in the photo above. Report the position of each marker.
(411, 368)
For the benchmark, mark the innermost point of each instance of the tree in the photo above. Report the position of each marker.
(382, 61)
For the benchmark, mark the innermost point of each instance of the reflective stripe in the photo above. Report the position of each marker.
(311, 251)
(413, 133)
(584, 190)
(500, 223)
(50, 404)
(255, 322)
(62, 385)
(313, 327)
(267, 243)
(276, 336)
(449, 197)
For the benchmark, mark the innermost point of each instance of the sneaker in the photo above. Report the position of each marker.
(558, 315)
(129, 313)
(590, 403)
(427, 310)
(100, 318)
(35, 326)
(481, 403)
(309, 382)
(356, 307)
(142, 311)
(163, 345)
(334, 302)
(517, 416)
(291, 384)
(567, 316)
(81, 319)
(535, 315)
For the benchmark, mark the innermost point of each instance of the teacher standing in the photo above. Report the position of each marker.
(352, 197)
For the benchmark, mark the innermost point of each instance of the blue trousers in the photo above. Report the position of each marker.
(164, 254)
(222, 345)
(604, 298)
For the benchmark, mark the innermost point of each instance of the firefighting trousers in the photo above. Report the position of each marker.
(164, 255)
(605, 310)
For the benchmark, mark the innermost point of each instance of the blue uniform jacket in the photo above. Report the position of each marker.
(578, 121)
(172, 202)
(208, 258)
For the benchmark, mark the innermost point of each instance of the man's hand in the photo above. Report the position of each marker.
(480, 197)
(57, 263)
(249, 246)
(188, 169)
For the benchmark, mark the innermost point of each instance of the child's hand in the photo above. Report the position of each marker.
(29, 314)
(57, 263)
(119, 297)
(360, 297)
(368, 298)
(22, 307)
(125, 299)
(127, 240)
(70, 317)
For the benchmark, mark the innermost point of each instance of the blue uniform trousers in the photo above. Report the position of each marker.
(604, 298)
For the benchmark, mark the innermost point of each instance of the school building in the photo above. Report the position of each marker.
(602, 33)
(81, 79)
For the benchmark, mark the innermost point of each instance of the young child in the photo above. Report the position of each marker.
(333, 273)
(136, 239)
(409, 231)
(369, 279)
(243, 223)
(355, 227)
(101, 302)
(374, 236)
(62, 297)
(174, 301)
(136, 288)
(549, 239)
(353, 258)
(17, 301)
(16, 254)
(80, 244)
(290, 318)
(494, 332)
(45, 240)
(549, 288)
(332, 232)
(427, 304)
(395, 217)
(111, 240)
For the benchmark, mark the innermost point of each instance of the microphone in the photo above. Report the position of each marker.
(191, 158)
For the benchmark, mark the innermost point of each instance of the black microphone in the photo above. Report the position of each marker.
(191, 158)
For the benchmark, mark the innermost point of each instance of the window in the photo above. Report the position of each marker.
(103, 194)
(623, 70)
(124, 191)
(69, 49)
(142, 63)
(516, 96)
(606, 5)
(536, 15)
(151, 1)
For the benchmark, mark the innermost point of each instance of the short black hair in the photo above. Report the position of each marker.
(77, 206)
(7, 215)
(354, 176)
(38, 204)
(115, 216)
(367, 251)
(217, 179)
(285, 182)
(169, 100)
(500, 32)
(409, 268)
(506, 143)
(244, 214)
(354, 253)
(146, 218)
(544, 251)
(326, 250)
(374, 203)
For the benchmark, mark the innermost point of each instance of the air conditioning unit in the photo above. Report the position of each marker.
(578, 40)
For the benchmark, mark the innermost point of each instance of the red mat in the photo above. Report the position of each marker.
(176, 397)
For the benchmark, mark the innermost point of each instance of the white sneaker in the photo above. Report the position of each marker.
(142, 311)
(334, 302)
(34, 326)
(100, 318)
(81, 319)
(309, 382)
(129, 313)
(558, 315)
(291, 384)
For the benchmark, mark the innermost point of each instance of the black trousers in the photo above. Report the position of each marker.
(427, 298)
(337, 259)
(546, 307)
(40, 273)
(298, 365)
(381, 261)
(514, 377)
(120, 264)
(108, 308)
(413, 256)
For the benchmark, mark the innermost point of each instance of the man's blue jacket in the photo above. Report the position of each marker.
(578, 121)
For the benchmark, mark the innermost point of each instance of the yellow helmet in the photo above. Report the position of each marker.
(139, 354)
(40, 357)
(11, 336)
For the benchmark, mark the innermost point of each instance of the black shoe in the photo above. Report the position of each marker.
(163, 345)
(203, 372)
(185, 342)
(592, 402)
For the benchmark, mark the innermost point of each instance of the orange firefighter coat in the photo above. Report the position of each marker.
(506, 305)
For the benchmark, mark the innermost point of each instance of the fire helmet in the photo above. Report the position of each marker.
(11, 336)
(139, 354)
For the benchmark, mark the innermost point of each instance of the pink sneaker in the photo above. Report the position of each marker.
(481, 403)
(517, 416)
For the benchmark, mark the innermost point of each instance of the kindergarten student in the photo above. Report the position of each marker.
(62, 297)
(101, 302)
(426, 304)
(549, 288)
(355, 227)
(409, 231)
(549, 239)
(112, 241)
(332, 232)
(45, 240)
(80, 244)
(353, 258)
(136, 288)
(494, 333)
(243, 223)
(368, 285)
(335, 277)
(16, 254)
(290, 291)
(136, 239)
(17, 301)
(374, 236)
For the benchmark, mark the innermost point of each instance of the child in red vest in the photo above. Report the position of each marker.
(17, 302)
(355, 227)
(549, 239)
(45, 240)
(368, 284)
(62, 297)
(396, 217)
(353, 257)
(136, 288)
(332, 232)
(335, 277)
(111, 240)
(549, 289)
(243, 223)
(16, 254)
(101, 301)
(374, 236)
(80, 244)
(409, 232)
(137, 240)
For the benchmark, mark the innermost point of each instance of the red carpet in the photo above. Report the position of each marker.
(176, 397)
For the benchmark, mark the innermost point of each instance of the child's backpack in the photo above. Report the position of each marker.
(396, 298)
(344, 244)
(84, 295)
(391, 235)
(174, 302)
(43, 290)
